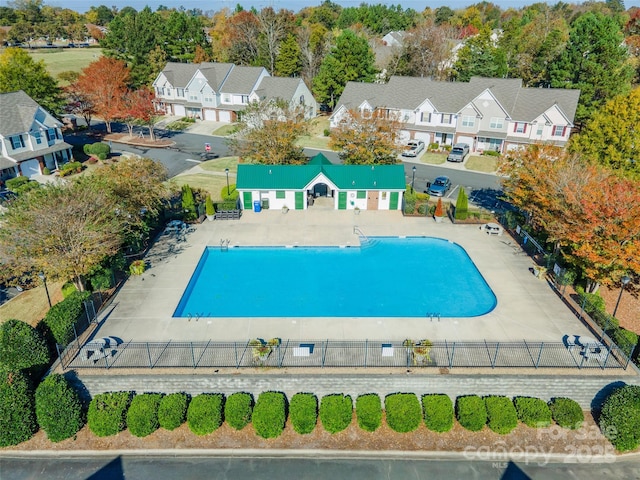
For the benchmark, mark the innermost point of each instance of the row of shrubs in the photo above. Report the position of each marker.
(99, 150)
(110, 413)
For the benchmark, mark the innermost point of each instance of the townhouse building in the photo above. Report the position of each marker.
(486, 113)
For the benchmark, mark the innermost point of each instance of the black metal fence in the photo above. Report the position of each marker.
(334, 353)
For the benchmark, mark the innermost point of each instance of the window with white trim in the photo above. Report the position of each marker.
(496, 122)
(51, 134)
(446, 118)
(520, 127)
(17, 142)
(180, 92)
(540, 129)
(244, 99)
(425, 117)
(208, 99)
(193, 96)
(468, 120)
(558, 130)
(226, 97)
(38, 136)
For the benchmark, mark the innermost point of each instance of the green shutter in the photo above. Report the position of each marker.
(247, 199)
(299, 200)
(393, 201)
(342, 200)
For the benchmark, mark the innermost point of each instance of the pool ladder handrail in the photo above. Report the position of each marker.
(433, 315)
(224, 244)
(356, 230)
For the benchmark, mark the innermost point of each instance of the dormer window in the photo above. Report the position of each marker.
(17, 142)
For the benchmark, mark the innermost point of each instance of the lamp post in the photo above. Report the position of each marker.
(413, 177)
(226, 170)
(625, 281)
(46, 289)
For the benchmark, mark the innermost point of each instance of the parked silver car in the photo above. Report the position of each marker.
(414, 147)
(458, 153)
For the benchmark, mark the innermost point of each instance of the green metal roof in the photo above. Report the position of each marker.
(319, 159)
(297, 177)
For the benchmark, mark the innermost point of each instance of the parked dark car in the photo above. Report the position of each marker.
(439, 187)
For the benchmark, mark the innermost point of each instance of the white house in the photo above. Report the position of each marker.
(30, 137)
(486, 113)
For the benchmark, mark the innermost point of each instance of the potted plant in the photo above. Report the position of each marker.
(137, 267)
(260, 349)
(285, 209)
(209, 210)
(356, 210)
(439, 213)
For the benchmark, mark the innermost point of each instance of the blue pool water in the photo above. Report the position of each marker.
(386, 277)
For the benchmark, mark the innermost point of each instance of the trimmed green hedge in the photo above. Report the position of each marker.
(58, 408)
(404, 413)
(270, 414)
(471, 412)
(303, 412)
(142, 416)
(204, 414)
(336, 412)
(237, 410)
(172, 411)
(369, 412)
(62, 317)
(108, 412)
(22, 347)
(438, 412)
(620, 418)
(533, 412)
(566, 413)
(501, 414)
(100, 150)
(17, 410)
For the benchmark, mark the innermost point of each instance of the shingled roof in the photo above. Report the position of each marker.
(215, 73)
(242, 80)
(179, 74)
(18, 112)
(277, 87)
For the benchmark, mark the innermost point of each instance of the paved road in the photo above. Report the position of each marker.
(199, 467)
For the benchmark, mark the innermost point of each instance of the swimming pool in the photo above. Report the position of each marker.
(386, 277)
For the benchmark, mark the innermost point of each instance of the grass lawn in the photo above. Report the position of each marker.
(482, 163)
(31, 305)
(225, 130)
(59, 60)
(316, 138)
(213, 184)
(219, 164)
(433, 158)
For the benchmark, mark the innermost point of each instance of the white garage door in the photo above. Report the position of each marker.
(30, 168)
(224, 116)
(467, 140)
(424, 136)
(179, 110)
(210, 115)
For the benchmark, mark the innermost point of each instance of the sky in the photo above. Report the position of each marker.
(295, 5)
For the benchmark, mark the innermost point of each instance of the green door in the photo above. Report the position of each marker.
(342, 200)
(299, 200)
(247, 199)
(393, 201)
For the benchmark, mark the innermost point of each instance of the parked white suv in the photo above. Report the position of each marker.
(458, 153)
(414, 147)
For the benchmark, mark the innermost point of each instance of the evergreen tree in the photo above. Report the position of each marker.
(596, 61)
(351, 59)
(480, 57)
(289, 60)
(188, 203)
(462, 205)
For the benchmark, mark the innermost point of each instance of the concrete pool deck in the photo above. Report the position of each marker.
(527, 307)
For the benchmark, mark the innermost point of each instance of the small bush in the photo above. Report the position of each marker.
(46, 171)
(204, 414)
(501, 414)
(208, 206)
(304, 412)
(107, 413)
(100, 150)
(137, 267)
(71, 167)
(403, 410)
(101, 279)
(462, 205)
(17, 182)
(566, 413)
(172, 411)
(237, 410)
(620, 418)
(270, 414)
(434, 146)
(326, 132)
(62, 317)
(58, 408)
(533, 412)
(142, 416)
(17, 410)
(438, 412)
(22, 347)
(68, 288)
(491, 153)
(439, 211)
(593, 302)
(369, 412)
(233, 193)
(336, 412)
(471, 412)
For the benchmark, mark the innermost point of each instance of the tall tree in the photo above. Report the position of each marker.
(141, 106)
(18, 71)
(595, 61)
(80, 103)
(314, 42)
(289, 60)
(367, 139)
(104, 82)
(612, 136)
(351, 59)
(243, 30)
(268, 131)
(273, 29)
(480, 56)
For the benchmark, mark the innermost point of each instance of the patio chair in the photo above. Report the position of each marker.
(570, 342)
